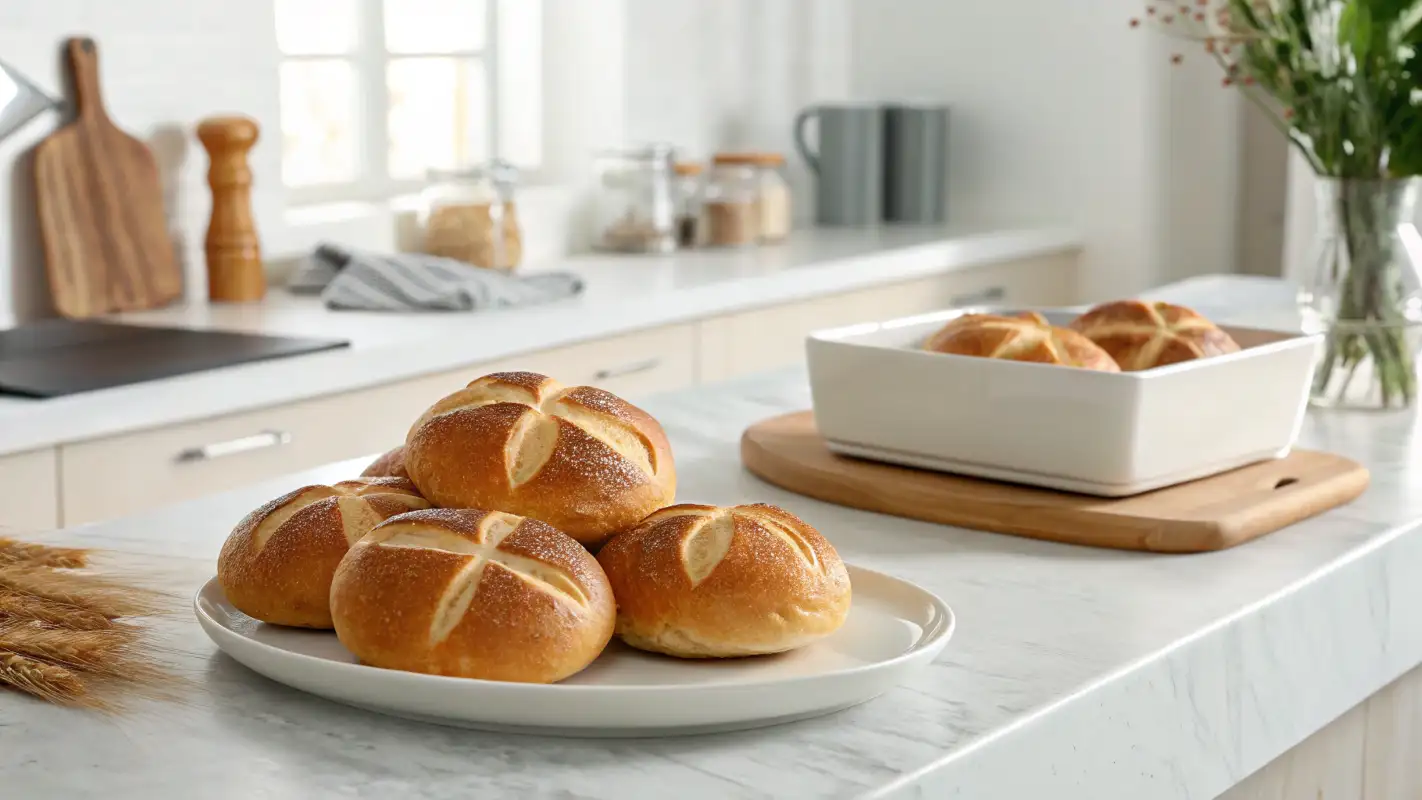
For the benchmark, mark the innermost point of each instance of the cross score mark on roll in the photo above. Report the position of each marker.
(707, 542)
(459, 595)
(532, 440)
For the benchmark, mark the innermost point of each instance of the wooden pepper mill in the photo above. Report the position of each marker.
(234, 255)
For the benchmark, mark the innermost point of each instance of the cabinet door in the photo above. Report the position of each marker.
(31, 492)
(751, 341)
(125, 474)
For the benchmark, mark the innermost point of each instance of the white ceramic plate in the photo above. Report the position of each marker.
(893, 628)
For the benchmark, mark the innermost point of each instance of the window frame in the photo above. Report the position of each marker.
(370, 59)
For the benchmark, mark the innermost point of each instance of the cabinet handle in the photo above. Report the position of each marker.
(992, 294)
(627, 369)
(231, 447)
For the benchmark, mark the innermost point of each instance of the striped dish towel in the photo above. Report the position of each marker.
(359, 281)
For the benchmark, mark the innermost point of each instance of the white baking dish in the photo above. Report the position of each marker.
(1110, 434)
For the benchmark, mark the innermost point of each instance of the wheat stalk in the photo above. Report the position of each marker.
(16, 606)
(106, 597)
(13, 551)
(48, 682)
(104, 652)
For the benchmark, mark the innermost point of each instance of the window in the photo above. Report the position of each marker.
(375, 93)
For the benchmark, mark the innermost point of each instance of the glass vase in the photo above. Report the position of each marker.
(1365, 294)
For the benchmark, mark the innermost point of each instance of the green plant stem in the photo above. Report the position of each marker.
(1369, 321)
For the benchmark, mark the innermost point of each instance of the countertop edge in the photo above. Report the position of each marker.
(254, 386)
(1196, 718)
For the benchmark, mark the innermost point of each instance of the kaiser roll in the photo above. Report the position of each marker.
(1140, 335)
(1025, 337)
(277, 564)
(389, 465)
(579, 458)
(472, 594)
(705, 582)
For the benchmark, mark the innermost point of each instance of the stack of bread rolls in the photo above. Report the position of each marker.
(1119, 336)
(469, 550)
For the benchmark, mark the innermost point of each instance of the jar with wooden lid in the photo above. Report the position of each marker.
(732, 211)
(774, 201)
(689, 226)
(469, 215)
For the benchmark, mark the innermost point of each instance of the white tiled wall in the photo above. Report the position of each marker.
(165, 64)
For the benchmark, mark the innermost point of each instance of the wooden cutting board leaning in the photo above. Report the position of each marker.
(1208, 514)
(100, 201)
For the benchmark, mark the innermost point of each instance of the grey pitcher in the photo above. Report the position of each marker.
(849, 164)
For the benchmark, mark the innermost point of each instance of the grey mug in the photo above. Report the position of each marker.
(848, 164)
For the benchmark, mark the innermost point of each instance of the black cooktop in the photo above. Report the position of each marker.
(56, 357)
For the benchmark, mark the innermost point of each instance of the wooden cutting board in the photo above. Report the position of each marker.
(1208, 514)
(100, 201)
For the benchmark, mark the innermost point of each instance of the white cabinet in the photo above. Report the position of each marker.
(29, 492)
(119, 475)
(656, 360)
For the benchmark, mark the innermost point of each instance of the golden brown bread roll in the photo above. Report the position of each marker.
(472, 594)
(1024, 337)
(1140, 335)
(579, 458)
(706, 582)
(276, 565)
(389, 465)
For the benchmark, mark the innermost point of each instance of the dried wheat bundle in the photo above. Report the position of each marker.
(102, 595)
(13, 551)
(113, 652)
(16, 606)
(48, 682)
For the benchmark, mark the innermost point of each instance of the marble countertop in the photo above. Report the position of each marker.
(623, 294)
(1075, 673)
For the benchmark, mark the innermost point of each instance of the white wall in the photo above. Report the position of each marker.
(710, 75)
(1061, 112)
(165, 64)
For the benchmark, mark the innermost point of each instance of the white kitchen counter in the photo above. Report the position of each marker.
(1075, 674)
(622, 295)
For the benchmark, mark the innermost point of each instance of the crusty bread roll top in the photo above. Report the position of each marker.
(1024, 337)
(578, 458)
(276, 565)
(472, 594)
(700, 581)
(1141, 334)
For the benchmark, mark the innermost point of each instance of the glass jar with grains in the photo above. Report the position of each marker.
(635, 211)
(469, 215)
(732, 211)
(689, 227)
(774, 199)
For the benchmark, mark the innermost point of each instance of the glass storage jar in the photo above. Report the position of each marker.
(775, 204)
(635, 211)
(469, 215)
(732, 201)
(689, 227)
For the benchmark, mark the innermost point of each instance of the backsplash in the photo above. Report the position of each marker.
(165, 64)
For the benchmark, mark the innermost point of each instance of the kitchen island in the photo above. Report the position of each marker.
(1075, 673)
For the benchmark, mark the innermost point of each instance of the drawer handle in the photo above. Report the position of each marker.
(991, 294)
(627, 369)
(246, 444)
